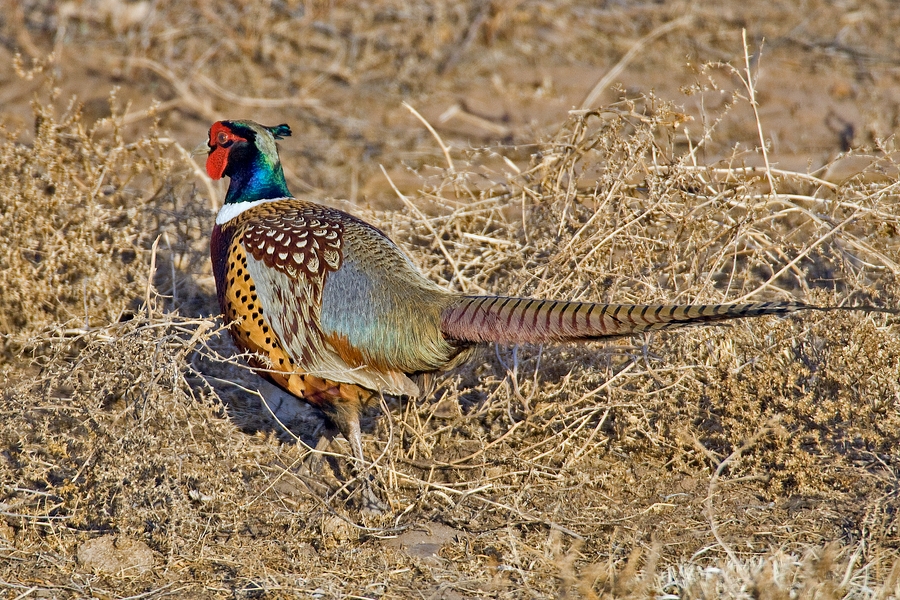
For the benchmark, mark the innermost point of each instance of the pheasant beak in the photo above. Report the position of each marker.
(202, 148)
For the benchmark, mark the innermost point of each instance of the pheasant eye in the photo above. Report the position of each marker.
(222, 138)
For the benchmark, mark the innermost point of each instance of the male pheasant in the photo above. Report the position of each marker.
(332, 311)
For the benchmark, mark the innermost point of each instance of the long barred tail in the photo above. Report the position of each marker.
(524, 321)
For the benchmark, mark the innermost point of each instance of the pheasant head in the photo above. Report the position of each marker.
(246, 152)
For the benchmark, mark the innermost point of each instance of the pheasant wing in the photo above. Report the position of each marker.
(292, 248)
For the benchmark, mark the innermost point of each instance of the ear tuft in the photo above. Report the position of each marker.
(280, 131)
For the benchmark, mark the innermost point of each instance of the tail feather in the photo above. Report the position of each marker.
(523, 321)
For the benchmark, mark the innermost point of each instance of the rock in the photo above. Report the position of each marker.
(424, 540)
(116, 555)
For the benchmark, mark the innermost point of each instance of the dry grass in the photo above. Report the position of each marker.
(757, 460)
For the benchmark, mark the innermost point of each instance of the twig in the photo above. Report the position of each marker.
(594, 95)
(613, 234)
(751, 90)
(181, 88)
(797, 259)
(711, 490)
(444, 148)
(200, 173)
(463, 282)
(252, 102)
(150, 276)
(743, 171)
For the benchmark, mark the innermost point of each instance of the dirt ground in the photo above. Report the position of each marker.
(627, 152)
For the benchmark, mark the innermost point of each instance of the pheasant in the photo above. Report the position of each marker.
(331, 310)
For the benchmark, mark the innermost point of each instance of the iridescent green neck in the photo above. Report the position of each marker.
(262, 179)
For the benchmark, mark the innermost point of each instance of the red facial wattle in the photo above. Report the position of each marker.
(221, 139)
(215, 163)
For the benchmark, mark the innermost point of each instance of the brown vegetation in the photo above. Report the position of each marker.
(139, 458)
